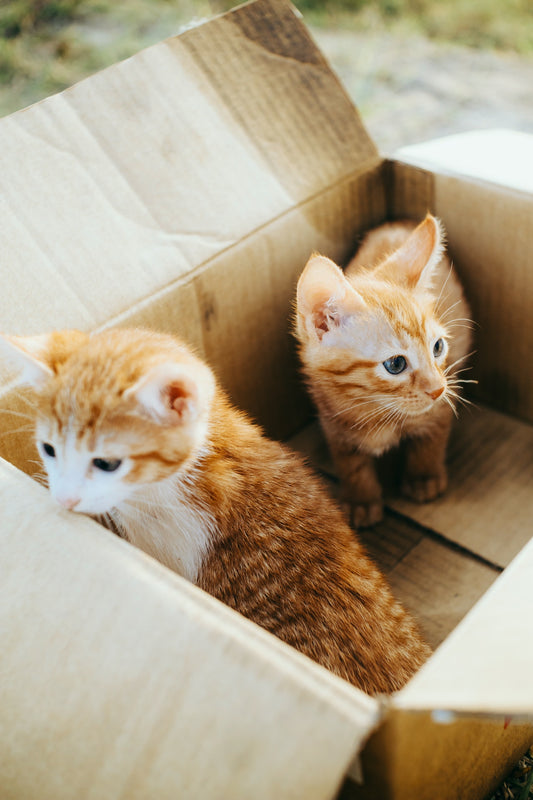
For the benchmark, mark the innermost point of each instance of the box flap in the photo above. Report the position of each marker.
(131, 681)
(485, 665)
(140, 174)
(497, 155)
(231, 149)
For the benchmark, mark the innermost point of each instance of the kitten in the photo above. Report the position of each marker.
(132, 427)
(375, 343)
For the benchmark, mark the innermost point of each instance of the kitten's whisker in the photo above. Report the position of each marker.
(391, 413)
(40, 478)
(459, 398)
(451, 404)
(358, 403)
(458, 361)
(464, 369)
(366, 418)
(450, 308)
(30, 403)
(30, 417)
(457, 381)
(24, 429)
(462, 319)
(442, 288)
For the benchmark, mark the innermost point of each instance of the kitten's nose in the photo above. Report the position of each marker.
(69, 502)
(435, 392)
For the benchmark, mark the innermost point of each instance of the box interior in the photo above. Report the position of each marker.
(185, 189)
(174, 254)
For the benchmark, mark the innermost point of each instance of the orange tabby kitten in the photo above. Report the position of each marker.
(375, 343)
(132, 427)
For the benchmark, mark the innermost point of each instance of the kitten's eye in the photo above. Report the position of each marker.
(395, 364)
(438, 348)
(49, 450)
(107, 464)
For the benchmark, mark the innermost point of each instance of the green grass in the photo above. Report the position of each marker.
(474, 23)
(519, 784)
(46, 45)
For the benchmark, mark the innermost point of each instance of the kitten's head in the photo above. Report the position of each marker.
(376, 338)
(116, 410)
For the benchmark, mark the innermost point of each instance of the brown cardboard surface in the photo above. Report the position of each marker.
(155, 170)
(190, 185)
(499, 281)
(184, 189)
(410, 191)
(491, 647)
(490, 241)
(438, 582)
(236, 310)
(488, 507)
(413, 756)
(120, 679)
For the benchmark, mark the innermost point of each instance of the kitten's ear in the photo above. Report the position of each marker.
(412, 265)
(37, 357)
(28, 354)
(173, 393)
(325, 298)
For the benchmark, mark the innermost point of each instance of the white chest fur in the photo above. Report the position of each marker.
(163, 521)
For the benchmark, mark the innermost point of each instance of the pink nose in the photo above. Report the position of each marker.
(68, 502)
(436, 393)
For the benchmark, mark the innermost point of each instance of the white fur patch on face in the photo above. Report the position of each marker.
(75, 481)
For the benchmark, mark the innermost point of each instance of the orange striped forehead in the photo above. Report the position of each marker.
(405, 313)
(86, 395)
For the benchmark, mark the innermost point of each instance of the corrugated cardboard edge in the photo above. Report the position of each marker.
(124, 678)
(439, 725)
(414, 756)
(471, 659)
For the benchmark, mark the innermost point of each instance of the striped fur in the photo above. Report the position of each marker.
(200, 488)
(398, 297)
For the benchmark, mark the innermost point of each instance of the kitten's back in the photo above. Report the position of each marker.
(285, 557)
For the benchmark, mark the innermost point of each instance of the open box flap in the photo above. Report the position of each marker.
(484, 666)
(184, 189)
(497, 155)
(140, 174)
(119, 675)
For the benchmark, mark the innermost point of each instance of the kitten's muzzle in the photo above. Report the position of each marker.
(70, 502)
(435, 393)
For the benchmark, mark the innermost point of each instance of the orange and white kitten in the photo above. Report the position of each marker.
(382, 345)
(133, 428)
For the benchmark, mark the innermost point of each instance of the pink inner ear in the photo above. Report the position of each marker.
(180, 398)
(321, 321)
(325, 295)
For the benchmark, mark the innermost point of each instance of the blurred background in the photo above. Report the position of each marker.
(416, 69)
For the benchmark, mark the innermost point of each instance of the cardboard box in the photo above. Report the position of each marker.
(184, 189)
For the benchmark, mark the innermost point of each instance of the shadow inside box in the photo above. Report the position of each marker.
(441, 557)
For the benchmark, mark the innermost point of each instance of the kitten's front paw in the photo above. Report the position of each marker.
(364, 515)
(424, 488)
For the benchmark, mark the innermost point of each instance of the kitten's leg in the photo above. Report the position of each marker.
(360, 487)
(426, 476)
